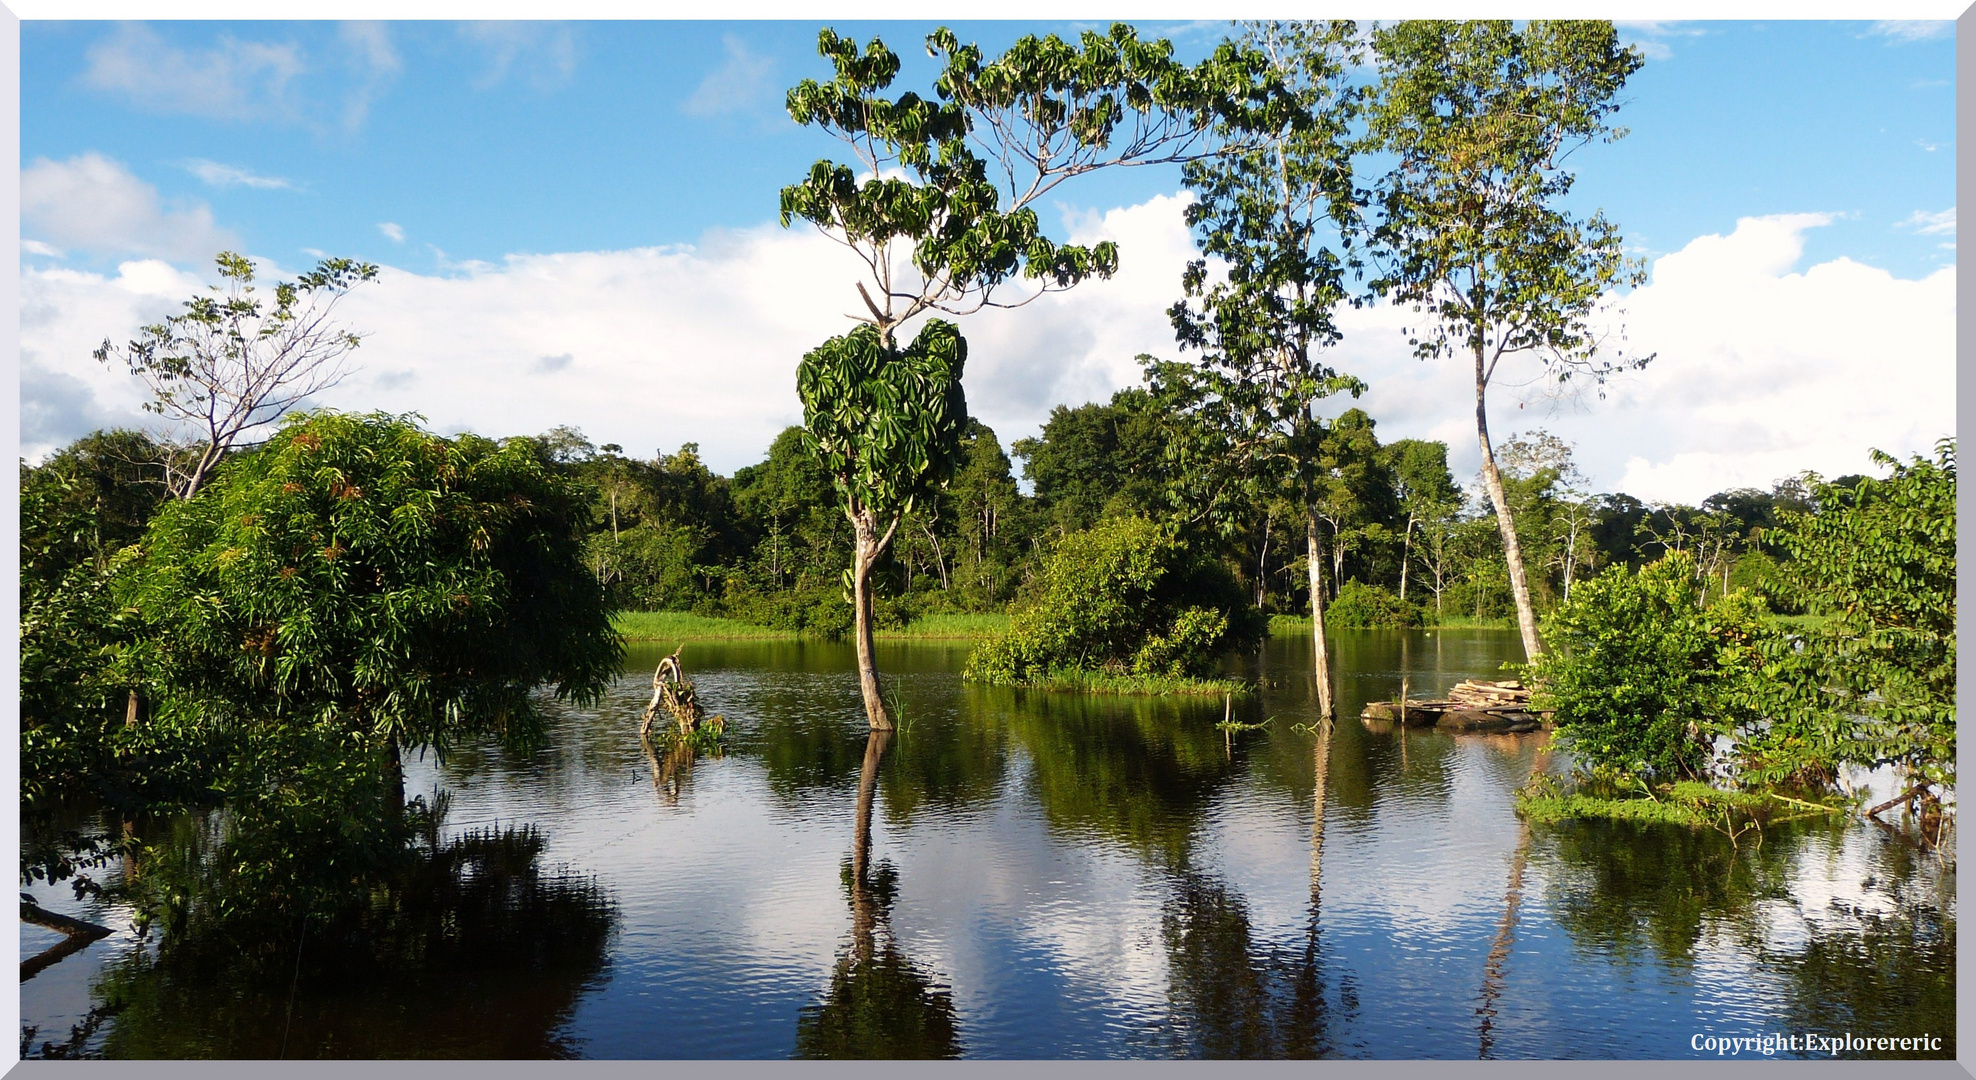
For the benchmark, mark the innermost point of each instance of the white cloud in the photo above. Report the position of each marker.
(218, 175)
(1905, 30)
(93, 203)
(65, 315)
(36, 247)
(543, 54)
(1763, 368)
(371, 56)
(745, 81)
(392, 231)
(234, 80)
(1936, 224)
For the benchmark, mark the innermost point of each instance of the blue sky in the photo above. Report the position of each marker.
(576, 221)
(480, 142)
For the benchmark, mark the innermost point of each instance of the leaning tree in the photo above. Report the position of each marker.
(939, 209)
(1478, 119)
(1266, 209)
(235, 361)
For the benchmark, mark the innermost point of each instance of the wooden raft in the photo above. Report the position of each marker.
(1470, 706)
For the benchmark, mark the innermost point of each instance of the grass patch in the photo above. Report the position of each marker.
(1686, 803)
(1077, 680)
(958, 626)
(1798, 622)
(1300, 624)
(676, 626)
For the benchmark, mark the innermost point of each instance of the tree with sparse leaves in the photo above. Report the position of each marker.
(234, 362)
(1478, 119)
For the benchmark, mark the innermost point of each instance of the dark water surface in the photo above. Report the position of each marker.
(1086, 876)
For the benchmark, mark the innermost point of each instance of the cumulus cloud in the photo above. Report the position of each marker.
(233, 80)
(1763, 368)
(65, 315)
(744, 82)
(93, 203)
(218, 175)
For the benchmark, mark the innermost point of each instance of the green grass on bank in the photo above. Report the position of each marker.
(677, 626)
(1686, 803)
(950, 626)
(1300, 624)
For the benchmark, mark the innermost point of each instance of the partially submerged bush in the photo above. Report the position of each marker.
(1643, 678)
(1359, 604)
(1125, 597)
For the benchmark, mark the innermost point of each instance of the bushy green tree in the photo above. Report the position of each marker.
(1644, 679)
(1124, 596)
(1877, 557)
(361, 571)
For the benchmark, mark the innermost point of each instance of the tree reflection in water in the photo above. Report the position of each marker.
(1231, 996)
(878, 1004)
(473, 951)
(1876, 955)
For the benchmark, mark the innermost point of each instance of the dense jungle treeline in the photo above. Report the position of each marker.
(1405, 542)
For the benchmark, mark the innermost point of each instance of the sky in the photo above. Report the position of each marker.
(577, 225)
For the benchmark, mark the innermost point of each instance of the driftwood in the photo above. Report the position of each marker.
(673, 694)
(1469, 707)
(77, 936)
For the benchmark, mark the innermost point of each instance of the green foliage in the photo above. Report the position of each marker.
(886, 423)
(360, 571)
(1126, 596)
(1099, 460)
(1359, 604)
(1643, 679)
(87, 501)
(1874, 684)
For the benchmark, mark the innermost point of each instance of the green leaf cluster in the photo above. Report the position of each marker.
(886, 423)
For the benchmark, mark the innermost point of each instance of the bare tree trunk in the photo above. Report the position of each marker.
(1322, 658)
(1262, 563)
(869, 547)
(1406, 557)
(1519, 586)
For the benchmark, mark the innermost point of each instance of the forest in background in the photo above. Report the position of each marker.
(1406, 543)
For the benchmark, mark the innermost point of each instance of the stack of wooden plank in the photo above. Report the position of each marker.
(1469, 707)
(1508, 694)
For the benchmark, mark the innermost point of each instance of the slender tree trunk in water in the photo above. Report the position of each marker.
(1322, 659)
(1519, 586)
(863, 909)
(869, 546)
(395, 767)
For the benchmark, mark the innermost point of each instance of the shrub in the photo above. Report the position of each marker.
(1359, 604)
(1125, 596)
(1643, 679)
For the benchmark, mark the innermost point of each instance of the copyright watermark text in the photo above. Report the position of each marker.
(1771, 1043)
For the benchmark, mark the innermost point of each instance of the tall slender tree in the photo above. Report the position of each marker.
(939, 209)
(1479, 119)
(1264, 209)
